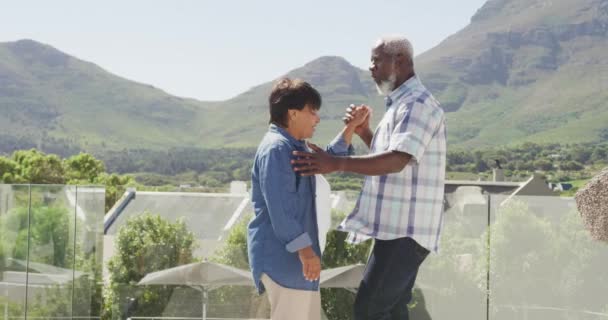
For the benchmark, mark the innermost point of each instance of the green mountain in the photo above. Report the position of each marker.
(48, 98)
(522, 70)
(59, 103)
(525, 70)
(243, 119)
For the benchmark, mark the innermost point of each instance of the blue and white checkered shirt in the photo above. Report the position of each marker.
(408, 203)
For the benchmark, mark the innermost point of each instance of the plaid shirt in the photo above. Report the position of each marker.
(408, 203)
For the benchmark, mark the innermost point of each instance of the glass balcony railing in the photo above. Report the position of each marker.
(182, 255)
(51, 246)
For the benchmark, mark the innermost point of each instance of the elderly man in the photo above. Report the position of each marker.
(401, 203)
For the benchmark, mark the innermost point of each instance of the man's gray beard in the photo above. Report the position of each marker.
(387, 86)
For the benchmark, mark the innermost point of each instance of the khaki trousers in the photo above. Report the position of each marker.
(291, 304)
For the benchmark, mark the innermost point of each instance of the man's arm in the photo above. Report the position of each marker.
(321, 162)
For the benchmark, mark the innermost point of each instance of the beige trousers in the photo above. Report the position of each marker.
(291, 304)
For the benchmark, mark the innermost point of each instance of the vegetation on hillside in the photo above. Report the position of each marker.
(211, 170)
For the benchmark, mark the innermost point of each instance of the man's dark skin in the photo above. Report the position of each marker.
(319, 162)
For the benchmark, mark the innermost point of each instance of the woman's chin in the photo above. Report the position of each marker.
(312, 133)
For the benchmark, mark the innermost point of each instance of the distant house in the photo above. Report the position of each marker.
(535, 186)
(489, 187)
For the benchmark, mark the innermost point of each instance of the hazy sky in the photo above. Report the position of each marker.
(213, 50)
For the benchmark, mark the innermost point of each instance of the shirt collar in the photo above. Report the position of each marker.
(277, 129)
(405, 88)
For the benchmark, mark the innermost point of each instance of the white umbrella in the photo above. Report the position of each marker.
(347, 277)
(204, 276)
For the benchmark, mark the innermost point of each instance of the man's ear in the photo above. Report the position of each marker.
(400, 61)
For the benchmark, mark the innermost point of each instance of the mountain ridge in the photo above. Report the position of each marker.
(521, 71)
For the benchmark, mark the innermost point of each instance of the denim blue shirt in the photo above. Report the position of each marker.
(284, 205)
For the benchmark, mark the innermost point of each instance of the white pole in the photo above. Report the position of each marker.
(5, 302)
(204, 304)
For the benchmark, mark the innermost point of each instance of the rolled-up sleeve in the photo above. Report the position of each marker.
(339, 147)
(277, 183)
(415, 129)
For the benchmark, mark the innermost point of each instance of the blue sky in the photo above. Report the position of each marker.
(213, 50)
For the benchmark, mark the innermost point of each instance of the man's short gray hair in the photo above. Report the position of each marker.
(395, 45)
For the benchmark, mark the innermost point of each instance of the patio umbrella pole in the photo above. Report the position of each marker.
(204, 300)
(6, 302)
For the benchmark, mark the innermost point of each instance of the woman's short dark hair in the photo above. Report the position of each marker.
(290, 94)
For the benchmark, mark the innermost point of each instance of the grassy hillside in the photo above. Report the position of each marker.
(523, 70)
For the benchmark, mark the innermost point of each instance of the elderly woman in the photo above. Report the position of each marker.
(283, 237)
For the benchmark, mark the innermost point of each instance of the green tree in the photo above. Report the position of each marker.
(480, 163)
(83, 168)
(543, 164)
(8, 171)
(571, 166)
(581, 153)
(234, 250)
(38, 167)
(116, 186)
(33, 166)
(49, 234)
(86, 169)
(599, 155)
(145, 244)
